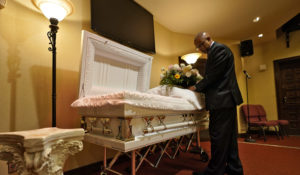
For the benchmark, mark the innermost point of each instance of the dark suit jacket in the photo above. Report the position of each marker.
(219, 83)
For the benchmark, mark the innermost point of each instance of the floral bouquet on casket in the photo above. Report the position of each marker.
(180, 76)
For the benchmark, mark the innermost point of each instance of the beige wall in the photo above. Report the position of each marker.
(262, 84)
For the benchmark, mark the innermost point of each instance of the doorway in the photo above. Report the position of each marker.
(287, 79)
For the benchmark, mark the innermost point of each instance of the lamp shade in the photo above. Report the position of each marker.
(57, 9)
(191, 58)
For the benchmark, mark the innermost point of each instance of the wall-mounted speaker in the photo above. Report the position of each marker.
(246, 48)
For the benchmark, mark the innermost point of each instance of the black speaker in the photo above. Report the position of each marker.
(246, 48)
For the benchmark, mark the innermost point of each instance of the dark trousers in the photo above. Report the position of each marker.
(224, 148)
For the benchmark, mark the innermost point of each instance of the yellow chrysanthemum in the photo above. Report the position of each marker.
(177, 76)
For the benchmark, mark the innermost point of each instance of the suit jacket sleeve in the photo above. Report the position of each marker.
(215, 68)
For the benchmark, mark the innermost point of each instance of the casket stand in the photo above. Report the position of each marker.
(119, 114)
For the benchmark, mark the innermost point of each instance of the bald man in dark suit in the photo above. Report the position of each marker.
(222, 95)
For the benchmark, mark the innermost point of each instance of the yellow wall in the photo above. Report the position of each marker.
(25, 69)
(241, 82)
(169, 46)
(262, 84)
(26, 66)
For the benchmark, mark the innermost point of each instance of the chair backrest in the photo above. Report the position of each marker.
(262, 113)
(253, 113)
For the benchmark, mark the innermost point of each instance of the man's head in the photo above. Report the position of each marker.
(203, 41)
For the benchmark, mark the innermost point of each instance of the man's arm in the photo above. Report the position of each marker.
(215, 69)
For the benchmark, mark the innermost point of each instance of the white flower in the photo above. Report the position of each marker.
(187, 68)
(163, 69)
(176, 67)
(195, 71)
(162, 76)
(199, 77)
(182, 65)
(188, 74)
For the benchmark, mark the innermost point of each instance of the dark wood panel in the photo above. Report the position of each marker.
(287, 78)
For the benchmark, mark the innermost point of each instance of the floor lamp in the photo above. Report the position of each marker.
(248, 136)
(55, 11)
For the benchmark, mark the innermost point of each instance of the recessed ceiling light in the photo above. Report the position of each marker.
(256, 19)
(260, 35)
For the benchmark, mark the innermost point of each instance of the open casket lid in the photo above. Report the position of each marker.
(108, 67)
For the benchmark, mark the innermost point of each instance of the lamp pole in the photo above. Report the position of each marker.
(248, 136)
(52, 38)
(54, 10)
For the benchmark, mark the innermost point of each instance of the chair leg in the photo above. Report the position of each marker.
(259, 134)
(284, 130)
(263, 131)
(281, 131)
(277, 133)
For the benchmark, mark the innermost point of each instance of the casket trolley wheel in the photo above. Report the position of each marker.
(201, 152)
(194, 150)
(103, 173)
(203, 156)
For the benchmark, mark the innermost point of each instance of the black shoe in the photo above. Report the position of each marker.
(198, 173)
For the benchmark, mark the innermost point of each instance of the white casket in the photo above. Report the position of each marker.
(113, 98)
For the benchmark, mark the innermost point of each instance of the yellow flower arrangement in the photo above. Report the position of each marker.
(182, 76)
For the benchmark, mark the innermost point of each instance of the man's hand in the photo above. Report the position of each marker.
(192, 88)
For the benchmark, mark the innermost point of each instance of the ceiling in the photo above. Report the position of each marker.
(223, 19)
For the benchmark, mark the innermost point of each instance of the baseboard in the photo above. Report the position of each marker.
(257, 132)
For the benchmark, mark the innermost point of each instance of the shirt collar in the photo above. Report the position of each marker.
(212, 44)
